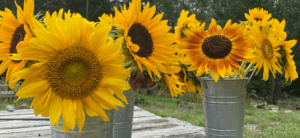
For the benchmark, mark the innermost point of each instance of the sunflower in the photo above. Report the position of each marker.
(285, 50)
(147, 39)
(78, 67)
(15, 33)
(185, 22)
(190, 87)
(290, 68)
(258, 16)
(267, 45)
(188, 84)
(171, 80)
(110, 18)
(279, 29)
(218, 50)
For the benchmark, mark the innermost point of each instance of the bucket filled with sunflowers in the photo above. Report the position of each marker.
(74, 70)
(83, 75)
(223, 57)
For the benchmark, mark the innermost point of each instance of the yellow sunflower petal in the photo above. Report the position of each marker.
(33, 89)
(4, 65)
(80, 116)
(213, 27)
(68, 113)
(93, 106)
(55, 109)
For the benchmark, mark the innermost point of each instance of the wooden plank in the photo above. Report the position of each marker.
(20, 114)
(31, 110)
(145, 125)
(186, 135)
(137, 114)
(25, 117)
(7, 92)
(22, 124)
(147, 119)
(18, 130)
(3, 85)
(8, 96)
(45, 133)
(158, 125)
(17, 111)
(159, 132)
(137, 109)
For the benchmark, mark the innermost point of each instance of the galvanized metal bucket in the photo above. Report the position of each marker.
(223, 106)
(124, 117)
(94, 127)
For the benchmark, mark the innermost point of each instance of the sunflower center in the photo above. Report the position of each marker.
(141, 37)
(74, 72)
(17, 37)
(216, 47)
(267, 49)
(257, 19)
(181, 74)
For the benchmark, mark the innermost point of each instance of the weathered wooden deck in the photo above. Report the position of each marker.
(23, 123)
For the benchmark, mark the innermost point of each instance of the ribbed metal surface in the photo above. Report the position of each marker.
(223, 106)
(94, 127)
(124, 117)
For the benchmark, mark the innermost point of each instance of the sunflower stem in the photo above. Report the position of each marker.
(210, 74)
(87, 9)
(248, 69)
(155, 86)
(236, 74)
(251, 75)
(128, 65)
(243, 65)
(195, 73)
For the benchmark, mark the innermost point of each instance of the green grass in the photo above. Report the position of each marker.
(269, 124)
(166, 107)
(273, 124)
